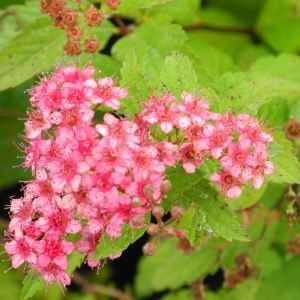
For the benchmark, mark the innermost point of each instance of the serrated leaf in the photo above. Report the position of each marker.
(286, 163)
(128, 5)
(284, 64)
(180, 180)
(38, 44)
(243, 93)
(210, 214)
(169, 268)
(153, 41)
(109, 246)
(138, 86)
(31, 285)
(178, 75)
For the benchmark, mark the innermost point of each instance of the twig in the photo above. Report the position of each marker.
(123, 28)
(94, 287)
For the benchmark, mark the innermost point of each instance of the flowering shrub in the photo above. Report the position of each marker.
(177, 128)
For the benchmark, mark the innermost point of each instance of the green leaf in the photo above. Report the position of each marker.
(278, 25)
(246, 290)
(128, 5)
(181, 295)
(284, 64)
(248, 197)
(186, 218)
(243, 93)
(169, 268)
(138, 86)
(31, 285)
(295, 110)
(109, 246)
(38, 44)
(282, 284)
(214, 60)
(21, 15)
(210, 214)
(183, 12)
(153, 41)
(178, 75)
(181, 180)
(286, 164)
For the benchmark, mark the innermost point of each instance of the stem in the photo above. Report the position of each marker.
(217, 28)
(123, 28)
(12, 113)
(91, 288)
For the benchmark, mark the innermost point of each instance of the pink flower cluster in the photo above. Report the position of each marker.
(91, 179)
(239, 142)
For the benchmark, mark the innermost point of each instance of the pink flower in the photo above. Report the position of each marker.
(215, 138)
(238, 158)
(20, 249)
(230, 186)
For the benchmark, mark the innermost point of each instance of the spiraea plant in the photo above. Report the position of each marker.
(166, 139)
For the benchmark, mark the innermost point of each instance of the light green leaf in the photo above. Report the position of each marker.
(17, 16)
(138, 86)
(178, 75)
(153, 41)
(109, 246)
(38, 44)
(31, 285)
(128, 5)
(183, 12)
(248, 197)
(282, 284)
(284, 64)
(278, 25)
(214, 60)
(286, 164)
(186, 218)
(210, 214)
(169, 268)
(295, 110)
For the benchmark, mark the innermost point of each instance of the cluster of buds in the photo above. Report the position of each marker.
(292, 212)
(92, 179)
(164, 228)
(66, 19)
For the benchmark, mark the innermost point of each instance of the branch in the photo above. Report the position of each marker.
(90, 287)
(217, 28)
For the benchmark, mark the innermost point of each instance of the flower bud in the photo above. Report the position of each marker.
(152, 229)
(181, 234)
(169, 231)
(177, 212)
(149, 249)
(158, 212)
(148, 190)
(138, 220)
(165, 186)
(136, 202)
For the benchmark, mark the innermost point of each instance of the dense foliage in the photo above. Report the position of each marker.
(180, 118)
